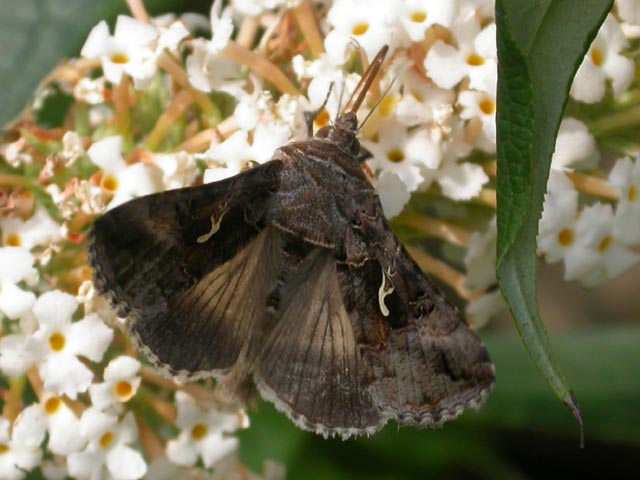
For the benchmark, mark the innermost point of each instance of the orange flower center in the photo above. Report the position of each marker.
(565, 237)
(52, 405)
(199, 431)
(360, 29)
(395, 156)
(57, 341)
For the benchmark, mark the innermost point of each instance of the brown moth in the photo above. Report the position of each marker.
(287, 278)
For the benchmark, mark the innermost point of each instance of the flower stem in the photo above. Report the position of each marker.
(593, 186)
(248, 31)
(13, 405)
(621, 120)
(8, 180)
(308, 26)
(181, 101)
(200, 141)
(138, 11)
(433, 227)
(149, 439)
(259, 65)
(121, 104)
(177, 73)
(442, 271)
(488, 197)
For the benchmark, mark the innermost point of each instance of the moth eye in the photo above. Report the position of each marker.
(323, 132)
(355, 147)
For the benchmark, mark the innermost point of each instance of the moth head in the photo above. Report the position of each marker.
(343, 132)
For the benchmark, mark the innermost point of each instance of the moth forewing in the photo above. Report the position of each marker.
(289, 276)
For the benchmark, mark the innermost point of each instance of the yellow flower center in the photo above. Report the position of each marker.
(395, 156)
(418, 17)
(106, 440)
(52, 405)
(487, 106)
(596, 57)
(109, 183)
(565, 237)
(322, 119)
(199, 431)
(120, 58)
(632, 195)
(57, 341)
(123, 390)
(13, 240)
(605, 244)
(3, 448)
(475, 60)
(360, 29)
(387, 105)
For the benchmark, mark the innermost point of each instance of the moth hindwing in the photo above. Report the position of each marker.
(288, 279)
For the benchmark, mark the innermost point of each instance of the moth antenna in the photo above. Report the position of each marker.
(340, 99)
(367, 79)
(310, 117)
(377, 104)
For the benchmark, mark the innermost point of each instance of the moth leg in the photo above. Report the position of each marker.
(310, 117)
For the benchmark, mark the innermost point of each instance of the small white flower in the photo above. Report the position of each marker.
(480, 258)
(90, 90)
(178, 169)
(481, 106)
(480, 311)
(16, 265)
(39, 230)
(403, 153)
(370, 24)
(556, 233)
(629, 11)
(202, 433)
(421, 100)
(52, 415)
(108, 448)
(123, 181)
(55, 345)
(236, 153)
(16, 456)
(254, 8)
(125, 52)
(417, 15)
(609, 258)
(120, 384)
(207, 70)
(393, 193)
(474, 57)
(133, 48)
(625, 175)
(575, 147)
(603, 62)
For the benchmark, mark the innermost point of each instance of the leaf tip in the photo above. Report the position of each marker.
(572, 404)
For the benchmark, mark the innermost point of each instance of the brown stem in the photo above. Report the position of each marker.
(308, 26)
(121, 104)
(177, 73)
(259, 65)
(138, 11)
(181, 101)
(434, 227)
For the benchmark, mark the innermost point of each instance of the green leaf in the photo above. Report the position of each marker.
(35, 35)
(540, 47)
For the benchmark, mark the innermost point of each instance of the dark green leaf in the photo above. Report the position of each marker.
(540, 46)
